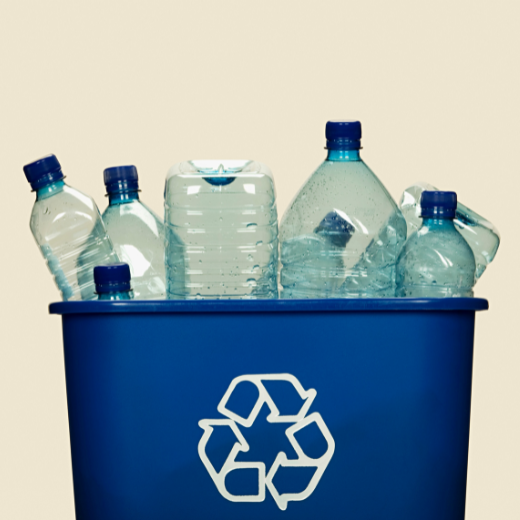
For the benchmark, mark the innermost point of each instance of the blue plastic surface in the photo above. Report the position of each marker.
(389, 379)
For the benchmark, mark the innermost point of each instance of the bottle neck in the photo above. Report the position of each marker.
(49, 190)
(122, 197)
(343, 155)
(113, 296)
(436, 222)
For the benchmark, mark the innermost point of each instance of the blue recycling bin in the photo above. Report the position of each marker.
(282, 409)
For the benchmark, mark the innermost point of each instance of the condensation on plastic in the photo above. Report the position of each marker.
(222, 231)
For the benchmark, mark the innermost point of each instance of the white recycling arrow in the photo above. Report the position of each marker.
(300, 421)
(230, 465)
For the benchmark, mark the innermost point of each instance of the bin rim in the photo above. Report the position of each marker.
(233, 306)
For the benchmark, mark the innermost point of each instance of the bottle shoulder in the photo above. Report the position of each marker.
(65, 208)
(443, 246)
(195, 191)
(348, 187)
(132, 218)
(67, 199)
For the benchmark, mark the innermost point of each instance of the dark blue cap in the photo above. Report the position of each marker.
(121, 178)
(42, 172)
(343, 135)
(112, 278)
(439, 204)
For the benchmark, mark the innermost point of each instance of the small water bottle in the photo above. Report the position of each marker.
(68, 229)
(136, 233)
(436, 261)
(342, 233)
(481, 235)
(222, 231)
(113, 282)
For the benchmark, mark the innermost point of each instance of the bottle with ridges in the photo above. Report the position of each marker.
(113, 282)
(136, 233)
(68, 229)
(224, 213)
(436, 261)
(480, 234)
(342, 233)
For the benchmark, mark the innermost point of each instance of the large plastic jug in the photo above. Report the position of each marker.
(342, 233)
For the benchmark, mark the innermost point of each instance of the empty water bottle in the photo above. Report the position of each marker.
(136, 233)
(113, 282)
(436, 261)
(224, 213)
(68, 229)
(342, 233)
(481, 235)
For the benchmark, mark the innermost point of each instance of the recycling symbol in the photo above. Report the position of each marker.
(298, 422)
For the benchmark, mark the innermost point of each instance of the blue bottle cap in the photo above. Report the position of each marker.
(121, 178)
(343, 135)
(42, 172)
(440, 204)
(112, 278)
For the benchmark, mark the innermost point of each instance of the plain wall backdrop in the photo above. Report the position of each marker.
(100, 83)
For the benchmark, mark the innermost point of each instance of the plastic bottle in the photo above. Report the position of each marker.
(68, 229)
(342, 233)
(436, 261)
(481, 235)
(113, 282)
(224, 213)
(136, 233)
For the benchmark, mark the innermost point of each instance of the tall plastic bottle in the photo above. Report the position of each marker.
(436, 261)
(113, 282)
(224, 213)
(136, 232)
(68, 229)
(481, 235)
(342, 233)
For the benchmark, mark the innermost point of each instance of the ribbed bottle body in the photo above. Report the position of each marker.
(221, 231)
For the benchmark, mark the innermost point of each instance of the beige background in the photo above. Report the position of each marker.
(101, 83)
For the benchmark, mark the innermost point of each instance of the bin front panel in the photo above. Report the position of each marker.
(355, 415)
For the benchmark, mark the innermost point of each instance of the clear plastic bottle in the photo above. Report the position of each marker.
(113, 282)
(136, 233)
(224, 213)
(68, 229)
(342, 233)
(481, 235)
(436, 261)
